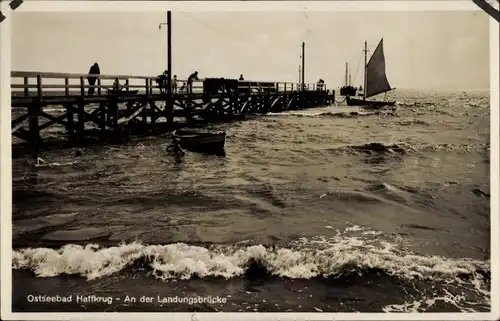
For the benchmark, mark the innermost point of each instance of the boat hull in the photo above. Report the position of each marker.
(371, 104)
(200, 142)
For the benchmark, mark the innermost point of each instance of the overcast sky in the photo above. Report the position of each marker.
(422, 49)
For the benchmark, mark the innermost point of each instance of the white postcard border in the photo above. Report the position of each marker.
(144, 6)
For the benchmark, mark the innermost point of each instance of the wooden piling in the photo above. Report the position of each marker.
(70, 127)
(34, 112)
(80, 128)
(99, 88)
(26, 87)
(102, 119)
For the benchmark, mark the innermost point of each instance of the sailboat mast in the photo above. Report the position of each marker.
(365, 78)
(346, 64)
(349, 76)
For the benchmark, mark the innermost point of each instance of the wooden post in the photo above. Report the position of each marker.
(102, 120)
(152, 112)
(127, 85)
(26, 88)
(33, 129)
(66, 86)
(114, 105)
(34, 112)
(147, 87)
(81, 106)
(82, 87)
(99, 84)
(71, 122)
(145, 114)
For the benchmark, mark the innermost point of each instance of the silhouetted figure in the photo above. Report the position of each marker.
(191, 78)
(183, 87)
(320, 84)
(174, 84)
(162, 80)
(94, 70)
(241, 77)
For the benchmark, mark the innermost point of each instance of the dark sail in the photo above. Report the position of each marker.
(376, 79)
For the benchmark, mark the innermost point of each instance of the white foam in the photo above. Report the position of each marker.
(423, 304)
(41, 163)
(306, 258)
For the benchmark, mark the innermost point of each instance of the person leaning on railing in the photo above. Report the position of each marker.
(191, 78)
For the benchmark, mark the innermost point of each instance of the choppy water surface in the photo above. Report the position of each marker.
(331, 209)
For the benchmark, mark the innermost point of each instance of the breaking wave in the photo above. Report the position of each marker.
(416, 104)
(410, 122)
(327, 114)
(301, 260)
(407, 148)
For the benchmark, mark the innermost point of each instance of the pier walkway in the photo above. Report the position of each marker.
(124, 104)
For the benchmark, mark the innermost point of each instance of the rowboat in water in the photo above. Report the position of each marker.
(200, 141)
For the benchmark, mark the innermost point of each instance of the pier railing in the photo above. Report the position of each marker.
(40, 84)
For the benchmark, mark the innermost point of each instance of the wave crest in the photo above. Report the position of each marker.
(406, 148)
(329, 114)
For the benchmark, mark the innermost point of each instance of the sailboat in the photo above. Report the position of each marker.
(375, 80)
(348, 89)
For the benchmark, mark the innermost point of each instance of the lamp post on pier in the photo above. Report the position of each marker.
(303, 65)
(169, 99)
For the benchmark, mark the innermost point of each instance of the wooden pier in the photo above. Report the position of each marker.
(122, 105)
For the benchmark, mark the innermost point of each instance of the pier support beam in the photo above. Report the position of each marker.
(70, 127)
(34, 133)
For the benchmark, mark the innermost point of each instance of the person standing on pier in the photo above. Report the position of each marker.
(241, 78)
(174, 84)
(320, 85)
(162, 81)
(191, 78)
(94, 70)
